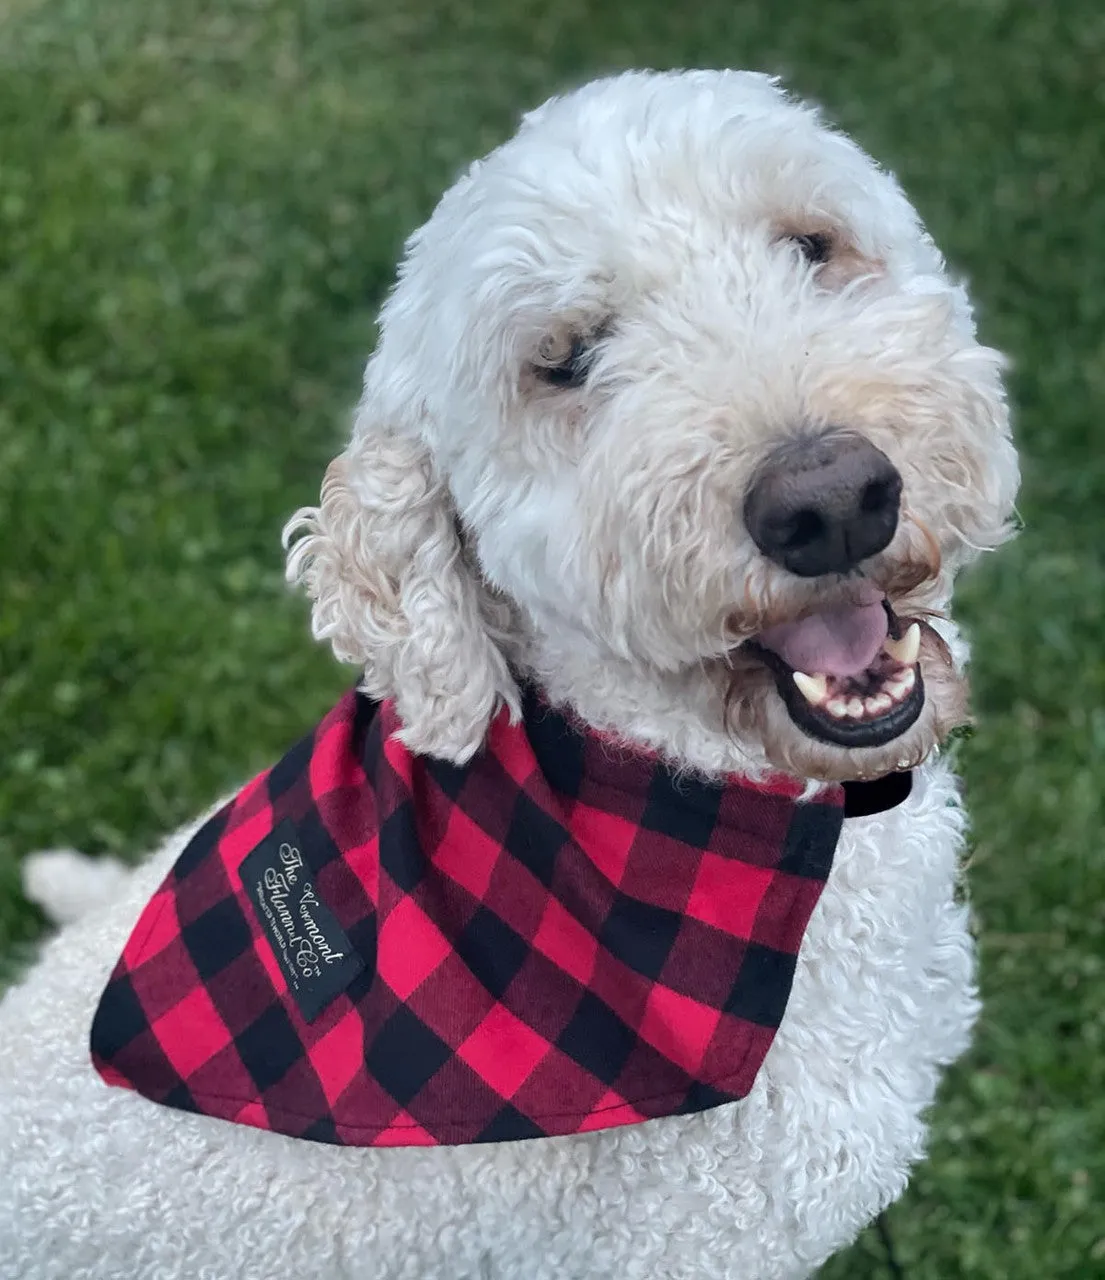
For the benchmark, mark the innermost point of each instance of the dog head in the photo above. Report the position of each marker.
(674, 404)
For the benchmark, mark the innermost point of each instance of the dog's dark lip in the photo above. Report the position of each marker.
(875, 732)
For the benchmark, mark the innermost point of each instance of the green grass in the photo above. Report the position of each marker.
(200, 204)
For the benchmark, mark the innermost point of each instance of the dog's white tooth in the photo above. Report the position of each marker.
(855, 708)
(837, 707)
(880, 703)
(901, 684)
(908, 648)
(812, 688)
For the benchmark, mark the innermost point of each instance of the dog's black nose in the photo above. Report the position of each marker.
(822, 505)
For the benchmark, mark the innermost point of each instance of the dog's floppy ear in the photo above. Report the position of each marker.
(382, 561)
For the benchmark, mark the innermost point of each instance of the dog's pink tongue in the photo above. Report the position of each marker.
(841, 641)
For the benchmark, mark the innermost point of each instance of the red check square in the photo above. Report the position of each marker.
(562, 939)
(502, 744)
(162, 930)
(679, 1027)
(411, 948)
(405, 1131)
(605, 838)
(610, 1109)
(727, 894)
(466, 853)
(503, 1051)
(191, 1033)
(339, 1055)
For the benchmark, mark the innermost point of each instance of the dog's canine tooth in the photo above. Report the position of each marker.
(812, 688)
(908, 648)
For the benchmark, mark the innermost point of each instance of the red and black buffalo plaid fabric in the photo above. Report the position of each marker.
(370, 948)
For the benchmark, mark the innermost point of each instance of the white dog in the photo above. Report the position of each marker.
(676, 416)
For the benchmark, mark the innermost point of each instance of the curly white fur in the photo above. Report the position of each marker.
(482, 523)
(382, 558)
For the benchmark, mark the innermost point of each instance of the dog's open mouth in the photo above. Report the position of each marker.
(848, 674)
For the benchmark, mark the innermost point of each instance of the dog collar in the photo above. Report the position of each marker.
(371, 948)
(861, 799)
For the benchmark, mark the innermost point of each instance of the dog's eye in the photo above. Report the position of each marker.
(563, 359)
(815, 246)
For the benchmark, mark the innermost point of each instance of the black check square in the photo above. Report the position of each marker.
(535, 839)
(760, 991)
(811, 840)
(561, 753)
(401, 853)
(180, 1096)
(364, 715)
(492, 951)
(290, 771)
(405, 1054)
(508, 1125)
(119, 1018)
(269, 1047)
(640, 935)
(313, 840)
(362, 938)
(322, 1130)
(701, 1097)
(688, 815)
(216, 938)
(449, 777)
(203, 843)
(597, 1039)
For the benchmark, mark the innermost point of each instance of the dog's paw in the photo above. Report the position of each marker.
(67, 885)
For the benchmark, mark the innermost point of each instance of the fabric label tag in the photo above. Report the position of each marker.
(310, 946)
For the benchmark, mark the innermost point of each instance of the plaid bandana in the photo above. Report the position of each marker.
(375, 949)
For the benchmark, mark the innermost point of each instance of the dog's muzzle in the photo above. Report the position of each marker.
(848, 673)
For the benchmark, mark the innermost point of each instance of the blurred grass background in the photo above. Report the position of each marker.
(200, 204)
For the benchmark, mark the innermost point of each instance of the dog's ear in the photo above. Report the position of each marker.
(392, 591)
